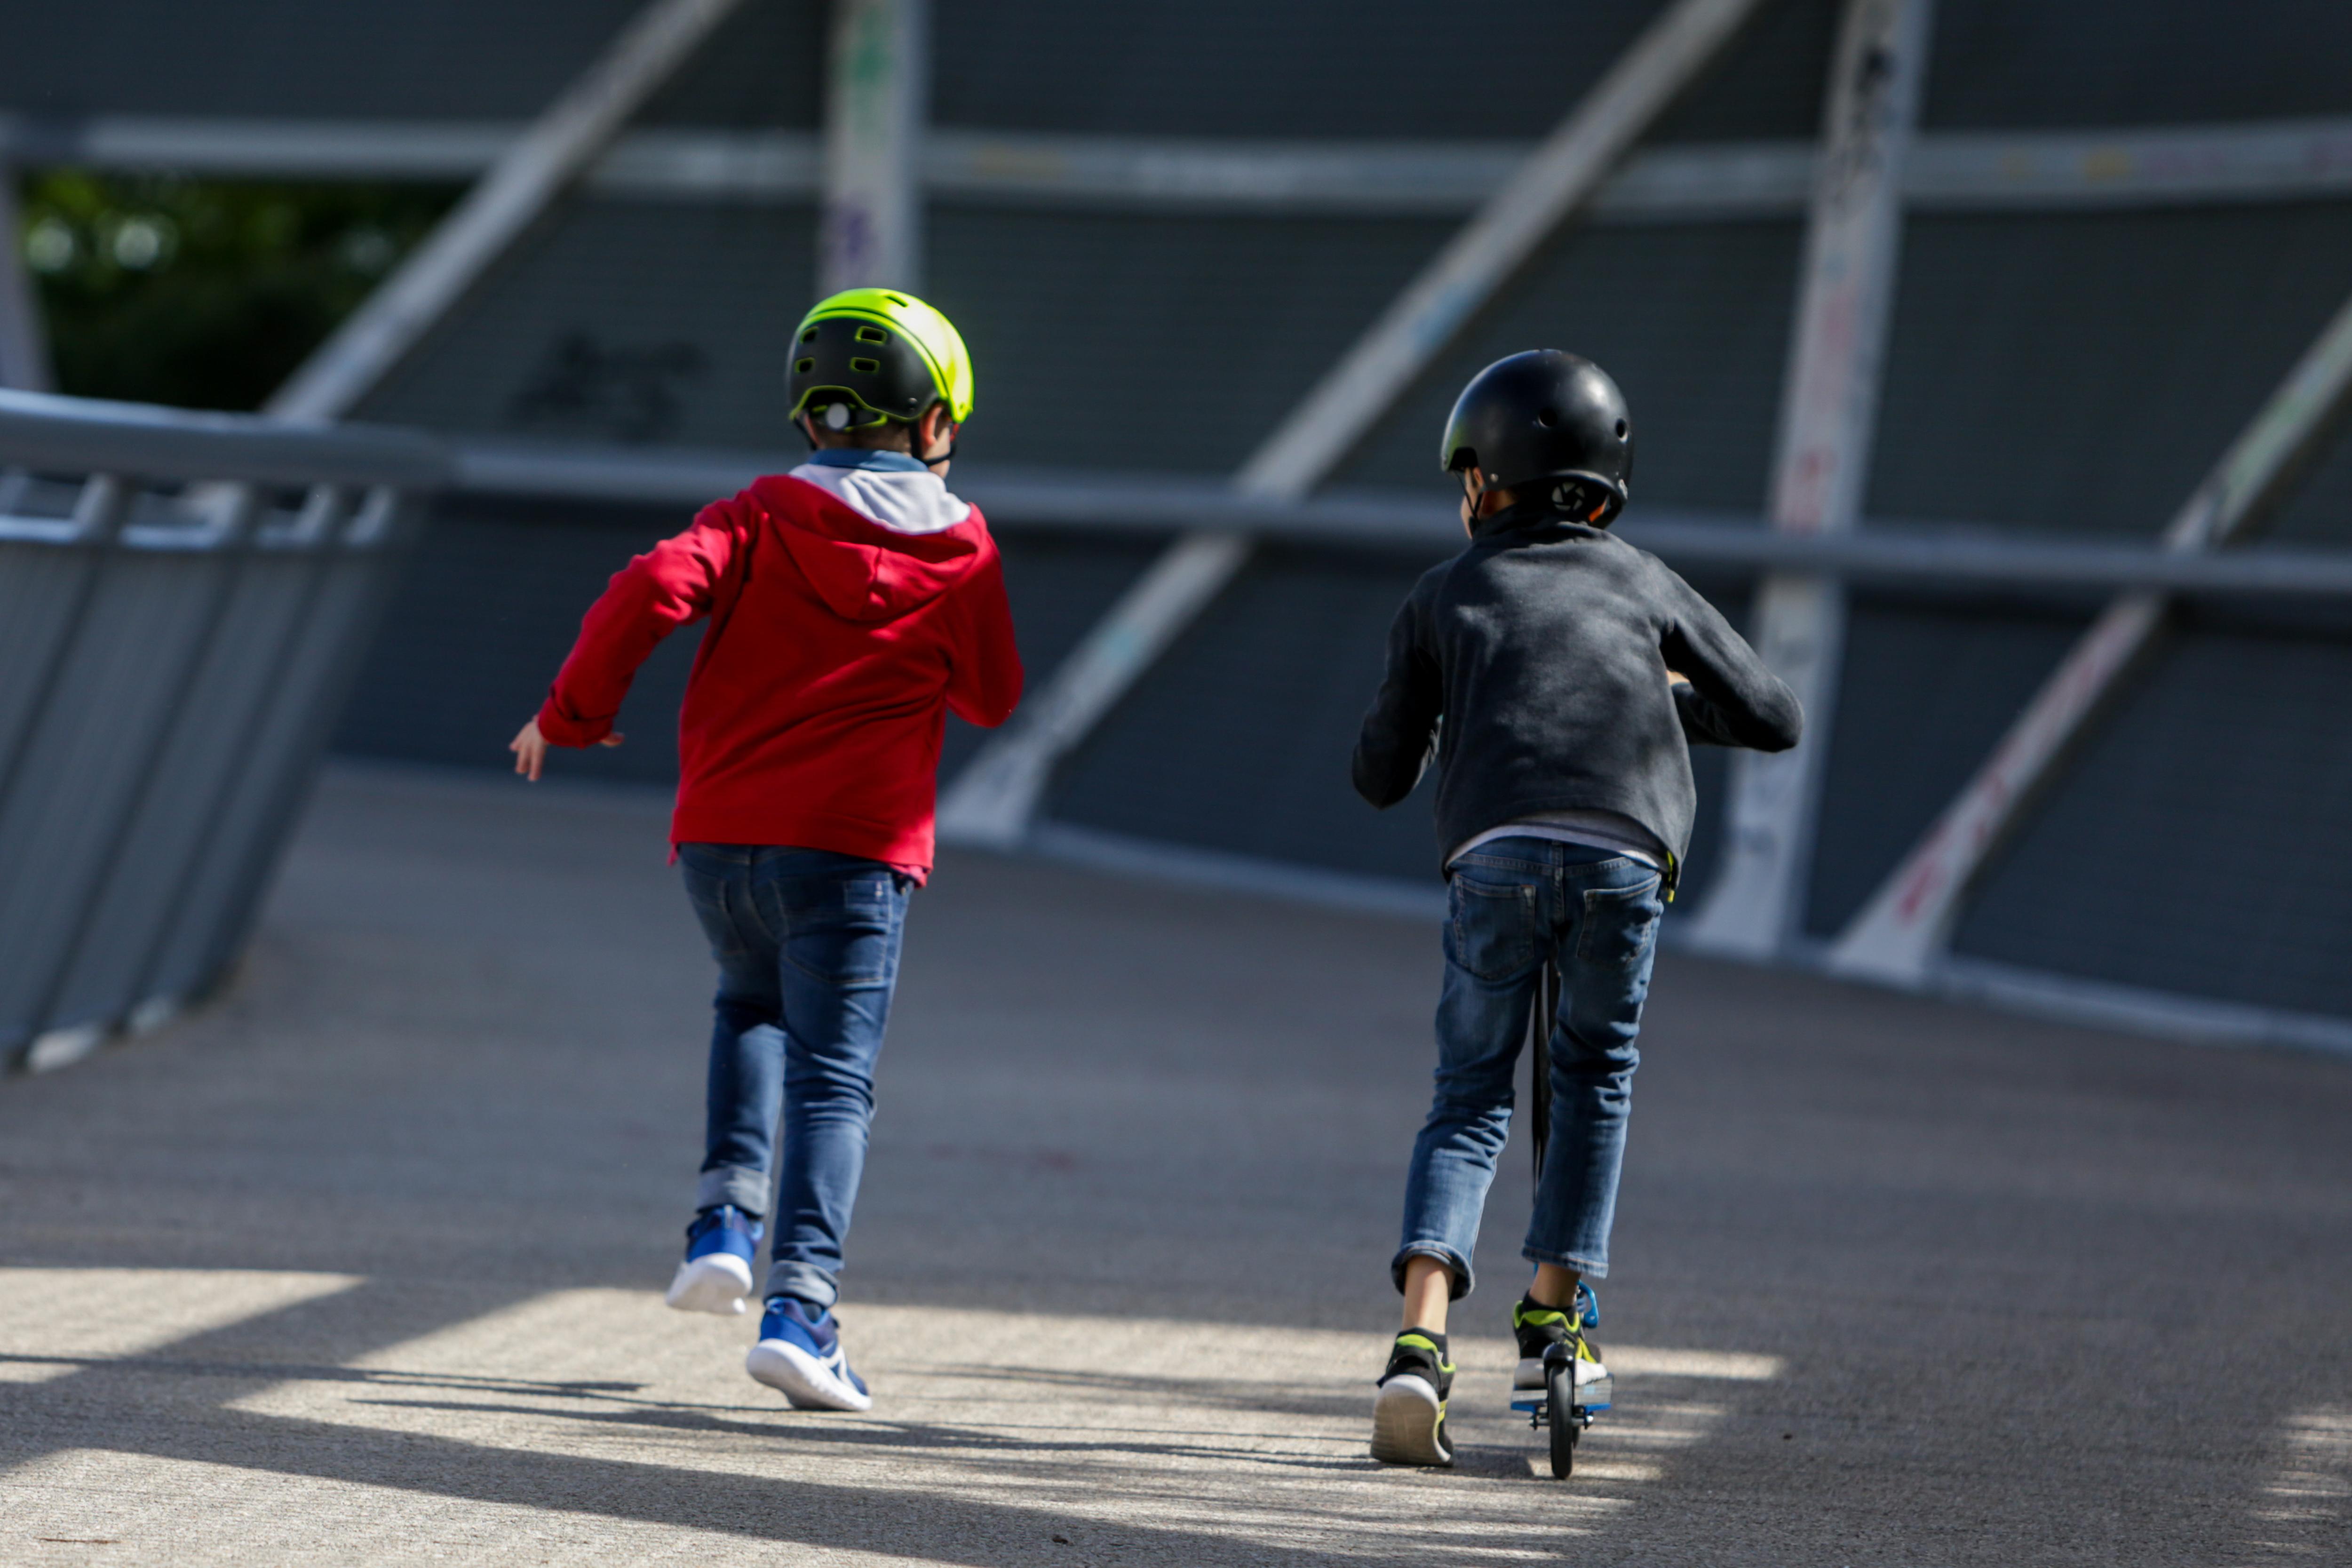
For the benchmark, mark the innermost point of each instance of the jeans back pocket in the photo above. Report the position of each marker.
(1490, 928)
(844, 930)
(1620, 924)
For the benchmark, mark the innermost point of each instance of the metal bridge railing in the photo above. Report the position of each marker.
(184, 601)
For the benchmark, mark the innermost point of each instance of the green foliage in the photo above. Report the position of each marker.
(203, 293)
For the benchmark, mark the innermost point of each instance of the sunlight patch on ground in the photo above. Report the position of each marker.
(1156, 1430)
(54, 1321)
(2314, 1486)
(596, 1425)
(86, 1506)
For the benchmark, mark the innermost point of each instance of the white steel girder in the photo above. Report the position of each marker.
(1828, 412)
(877, 93)
(995, 799)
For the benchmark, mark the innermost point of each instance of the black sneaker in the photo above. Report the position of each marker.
(1540, 1328)
(1409, 1415)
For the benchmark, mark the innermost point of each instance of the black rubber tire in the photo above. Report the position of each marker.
(1559, 1392)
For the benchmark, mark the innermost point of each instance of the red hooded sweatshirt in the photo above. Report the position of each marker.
(850, 607)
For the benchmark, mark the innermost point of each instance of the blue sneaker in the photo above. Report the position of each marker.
(799, 1353)
(717, 1273)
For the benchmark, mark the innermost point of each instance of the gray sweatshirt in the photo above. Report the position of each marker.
(1543, 647)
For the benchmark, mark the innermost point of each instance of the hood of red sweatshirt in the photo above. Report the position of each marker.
(862, 569)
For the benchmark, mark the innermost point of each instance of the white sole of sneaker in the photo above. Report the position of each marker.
(716, 1283)
(800, 1377)
(1405, 1422)
(1531, 1373)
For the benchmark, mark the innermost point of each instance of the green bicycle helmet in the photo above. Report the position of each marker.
(865, 355)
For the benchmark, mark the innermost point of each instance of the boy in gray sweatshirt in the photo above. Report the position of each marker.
(1571, 673)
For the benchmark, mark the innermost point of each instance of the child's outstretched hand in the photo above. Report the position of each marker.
(530, 749)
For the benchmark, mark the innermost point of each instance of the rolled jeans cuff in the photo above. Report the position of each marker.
(1586, 1267)
(1460, 1279)
(746, 1189)
(804, 1281)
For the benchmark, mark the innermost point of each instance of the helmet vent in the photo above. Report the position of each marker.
(809, 336)
(872, 335)
(1546, 417)
(1621, 430)
(803, 367)
(897, 299)
(865, 366)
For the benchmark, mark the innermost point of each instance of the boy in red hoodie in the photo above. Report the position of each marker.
(851, 604)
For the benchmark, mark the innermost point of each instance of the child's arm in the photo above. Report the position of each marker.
(984, 672)
(1400, 729)
(652, 596)
(1725, 696)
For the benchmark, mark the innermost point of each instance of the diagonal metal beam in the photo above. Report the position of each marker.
(1901, 935)
(508, 200)
(1829, 409)
(995, 799)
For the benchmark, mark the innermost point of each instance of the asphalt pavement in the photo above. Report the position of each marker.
(361, 1263)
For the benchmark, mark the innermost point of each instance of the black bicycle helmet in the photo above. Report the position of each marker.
(1545, 416)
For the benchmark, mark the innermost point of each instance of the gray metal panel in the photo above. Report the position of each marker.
(1927, 690)
(2081, 373)
(1238, 739)
(2039, 63)
(426, 59)
(83, 767)
(765, 66)
(2204, 846)
(1161, 341)
(40, 587)
(1693, 323)
(1059, 585)
(189, 783)
(1333, 69)
(479, 626)
(1394, 68)
(623, 321)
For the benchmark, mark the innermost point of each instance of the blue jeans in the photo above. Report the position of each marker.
(1514, 902)
(807, 944)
